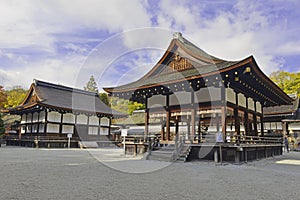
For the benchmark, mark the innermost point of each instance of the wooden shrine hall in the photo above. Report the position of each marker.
(202, 101)
(51, 113)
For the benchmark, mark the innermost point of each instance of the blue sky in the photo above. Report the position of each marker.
(66, 42)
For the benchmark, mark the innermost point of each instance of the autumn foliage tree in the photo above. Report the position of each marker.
(289, 82)
(3, 97)
(15, 97)
(125, 106)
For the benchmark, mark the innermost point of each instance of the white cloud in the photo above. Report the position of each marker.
(232, 31)
(246, 29)
(63, 71)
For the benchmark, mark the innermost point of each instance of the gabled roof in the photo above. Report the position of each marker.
(185, 62)
(201, 63)
(62, 98)
(283, 109)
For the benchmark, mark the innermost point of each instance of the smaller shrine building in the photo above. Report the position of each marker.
(51, 113)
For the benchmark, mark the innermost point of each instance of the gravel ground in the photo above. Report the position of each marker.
(28, 173)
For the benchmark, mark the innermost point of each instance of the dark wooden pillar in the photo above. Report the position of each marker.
(109, 126)
(193, 115)
(75, 126)
(236, 115)
(199, 130)
(246, 116)
(168, 117)
(162, 132)
(38, 124)
(255, 119)
(188, 123)
(262, 121)
(223, 112)
(99, 126)
(60, 125)
(223, 121)
(31, 123)
(26, 123)
(146, 120)
(46, 121)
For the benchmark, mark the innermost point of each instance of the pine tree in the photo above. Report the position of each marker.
(91, 85)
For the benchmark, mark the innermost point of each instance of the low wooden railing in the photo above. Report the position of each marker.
(211, 138)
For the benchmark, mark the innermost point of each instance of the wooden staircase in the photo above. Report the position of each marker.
(162, 153)
(184, 153)
(168, 153)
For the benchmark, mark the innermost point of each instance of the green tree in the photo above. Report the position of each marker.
(91, 85)
(104, 98)
(3, 97)
(125, 106)
(15, 97)
(289, 82)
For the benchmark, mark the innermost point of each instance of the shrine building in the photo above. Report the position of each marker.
(202, 100)
(50, 113)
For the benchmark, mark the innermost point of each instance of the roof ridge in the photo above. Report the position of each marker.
(62, 87)
(188, 44)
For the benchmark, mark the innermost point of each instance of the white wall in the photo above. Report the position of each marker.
(294, 126)
(23, 119)
(35, 117)
(208, 94)
(41, 128)
(42, 116)
(93, 131)
(34, 128)
(29, 117)
(54, 116)
(22, 129)
(67, 129)
(104, 121)
(82, 119)
(242, 100)
(52, 128)
(94, 120)
(251, 104)
(258, 107)
(69, 118)
(180, 98)
(103, 131)
(230, 95)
